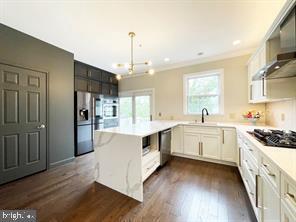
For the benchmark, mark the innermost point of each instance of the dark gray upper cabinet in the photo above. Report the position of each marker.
(95, 87)
(92, 79)
(80, 69)
(114, 90)
(108, 77)
(81, 84)
(94, 74)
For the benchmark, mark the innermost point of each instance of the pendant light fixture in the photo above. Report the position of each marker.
(131, 65)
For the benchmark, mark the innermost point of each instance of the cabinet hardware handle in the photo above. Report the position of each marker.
(251, 150)
(291, 196)
(250, 170)
(271, 174)
(263, 87)
(257, 190)
(268, 172)
(239, 157)
(252, 193)
(201, 143)
(199, 148)
(223, 139)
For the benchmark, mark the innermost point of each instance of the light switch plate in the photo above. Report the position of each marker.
(283, 117)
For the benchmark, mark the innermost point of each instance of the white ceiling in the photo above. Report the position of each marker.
(97, 31)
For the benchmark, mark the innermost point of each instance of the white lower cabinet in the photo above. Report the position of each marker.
(192, 144)
(177, 139)
(229, 144)
(270, 202)
(210, 146)
(286, 214)
(207, 142)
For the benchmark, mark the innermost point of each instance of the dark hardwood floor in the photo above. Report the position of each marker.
(184, 190)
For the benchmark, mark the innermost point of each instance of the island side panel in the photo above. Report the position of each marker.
(118, 160)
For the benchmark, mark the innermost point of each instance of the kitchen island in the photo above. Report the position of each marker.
(120, 163)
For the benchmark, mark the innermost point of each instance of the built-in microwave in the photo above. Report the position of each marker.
(146, 144)
(110, 108)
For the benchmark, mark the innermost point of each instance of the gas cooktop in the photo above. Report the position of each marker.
(277, 138)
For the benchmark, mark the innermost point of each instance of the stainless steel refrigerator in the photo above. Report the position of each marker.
(88, 117)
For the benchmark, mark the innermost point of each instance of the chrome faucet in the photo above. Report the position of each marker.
(202, 114)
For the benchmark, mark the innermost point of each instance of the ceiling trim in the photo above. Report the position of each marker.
(196, 62)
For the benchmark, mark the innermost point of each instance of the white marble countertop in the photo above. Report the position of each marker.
(284, 158)
(147, 128)
(142, 129)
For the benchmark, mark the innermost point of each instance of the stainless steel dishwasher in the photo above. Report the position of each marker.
(165, 146)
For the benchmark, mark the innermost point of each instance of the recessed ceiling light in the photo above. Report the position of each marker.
(200, 53)
(166, 59)
(277, 67)
(236, 42)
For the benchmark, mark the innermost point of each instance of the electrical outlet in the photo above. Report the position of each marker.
(283, 117)
(232, 115)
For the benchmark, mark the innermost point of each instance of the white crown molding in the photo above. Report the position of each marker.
(213, 58)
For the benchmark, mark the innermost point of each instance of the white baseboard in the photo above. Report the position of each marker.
(205, 159)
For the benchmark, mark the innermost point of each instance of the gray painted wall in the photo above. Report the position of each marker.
(18, 48)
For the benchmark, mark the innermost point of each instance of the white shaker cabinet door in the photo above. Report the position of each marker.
(191, 144)
(270, 202)
(177, 139)
(210, 146)
(229, 145)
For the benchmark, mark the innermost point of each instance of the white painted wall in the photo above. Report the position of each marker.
(168, 87)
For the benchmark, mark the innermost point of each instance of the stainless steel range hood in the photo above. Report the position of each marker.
(284, 66)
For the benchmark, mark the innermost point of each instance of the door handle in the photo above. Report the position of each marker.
(42, 126)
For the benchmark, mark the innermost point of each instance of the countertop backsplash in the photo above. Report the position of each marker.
(282, 114)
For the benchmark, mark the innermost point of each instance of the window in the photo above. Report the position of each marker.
(203, 90)
(136, 106)
(126, 110)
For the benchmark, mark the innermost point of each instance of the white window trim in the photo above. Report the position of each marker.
(203, 74)
(133, 93)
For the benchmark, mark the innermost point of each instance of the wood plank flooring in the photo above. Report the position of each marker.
(183, 190)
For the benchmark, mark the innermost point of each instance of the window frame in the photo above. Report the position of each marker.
(186, 77)
(141, 92)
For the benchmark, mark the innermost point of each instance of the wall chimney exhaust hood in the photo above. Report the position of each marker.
(283, 65)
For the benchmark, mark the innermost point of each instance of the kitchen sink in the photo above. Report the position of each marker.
(203, 124)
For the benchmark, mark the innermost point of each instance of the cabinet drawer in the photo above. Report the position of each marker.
(203, 129)
(249, 183)
(251, 150)
(252, 167)
(288, 194)
(150, 166)
(272, 173)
